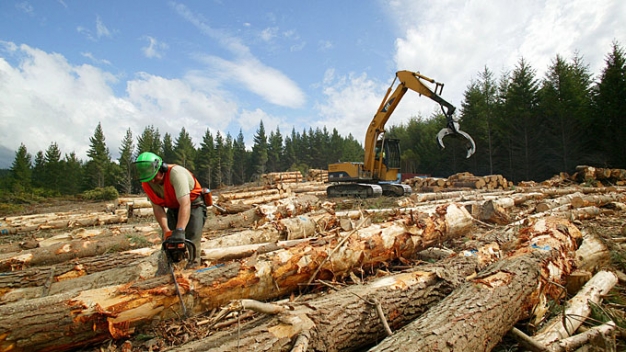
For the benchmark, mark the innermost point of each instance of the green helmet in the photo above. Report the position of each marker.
(148, 164)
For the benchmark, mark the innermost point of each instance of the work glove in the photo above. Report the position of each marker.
(174, 245)
(178, 236)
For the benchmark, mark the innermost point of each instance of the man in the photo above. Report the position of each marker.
(175, 188)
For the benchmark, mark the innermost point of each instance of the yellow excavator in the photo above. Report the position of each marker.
(379, 173)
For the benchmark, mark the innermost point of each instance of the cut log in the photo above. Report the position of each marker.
(57, 221)
(62, 252)
(593, 253)
(68, 321)
(476, 316)
(239, 220)
(79, 275)
(346, 321)
(577, 309)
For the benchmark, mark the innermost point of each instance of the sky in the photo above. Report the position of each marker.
(224, 66)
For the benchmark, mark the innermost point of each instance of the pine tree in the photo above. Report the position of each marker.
(204, 160)
(258, 162)
(218, 162)
(184, 151)
(169, 155)
(275, 152)
(53, 169)
(39, 170)
(72, 175)
(21, 171)
(478, 116)
(149, 141)
(565, 102)
(336, 148)
(610, 106)
(126, 177)
(240, 160)
(98, 166)
(227, 159)
(522, 123)
(290, 159)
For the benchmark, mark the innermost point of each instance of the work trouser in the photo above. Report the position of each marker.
(193, 231)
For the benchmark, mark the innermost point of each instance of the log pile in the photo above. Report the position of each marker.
(588, 175)
(273, 178)
(459, 181)
(317, 175)
(454, 270)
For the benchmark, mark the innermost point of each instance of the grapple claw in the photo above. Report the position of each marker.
(470, 145)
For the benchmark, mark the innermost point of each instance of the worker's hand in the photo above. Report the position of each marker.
(178, 235)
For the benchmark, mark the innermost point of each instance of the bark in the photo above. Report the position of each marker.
(238, 196)
(59, 221)
(80, 274)
(476, 316)
(345, 320)
(239, 220)
(62, 252)
(115, 311)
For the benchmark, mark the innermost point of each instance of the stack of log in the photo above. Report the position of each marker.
(274, 178)
(459, 181)
(597, 176)
(317, 175)
(508, 255)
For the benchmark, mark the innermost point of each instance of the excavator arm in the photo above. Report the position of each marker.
(413, 81)
(379, 174)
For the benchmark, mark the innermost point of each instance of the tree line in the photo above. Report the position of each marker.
(525, 128)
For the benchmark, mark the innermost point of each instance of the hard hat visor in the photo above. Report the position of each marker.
(147, 165)
(147, 170)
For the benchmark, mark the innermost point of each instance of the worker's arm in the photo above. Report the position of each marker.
(184, 211)
(160, 216)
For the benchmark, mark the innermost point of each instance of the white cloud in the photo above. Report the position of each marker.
(351, 103)
(154, 48)
(25, 7)
(325, 45)
(452, 41)
(267, 82)
(173, 103)
(101, 29)
(269, 33)
(45, 99)
(96, 60)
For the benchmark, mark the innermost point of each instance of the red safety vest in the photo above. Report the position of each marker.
(170, 200)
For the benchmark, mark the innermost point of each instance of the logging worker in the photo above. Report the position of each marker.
(176, 189)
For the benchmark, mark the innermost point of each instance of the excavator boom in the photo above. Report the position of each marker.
(382, 156)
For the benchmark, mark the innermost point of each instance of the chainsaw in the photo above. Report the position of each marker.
(177, 248)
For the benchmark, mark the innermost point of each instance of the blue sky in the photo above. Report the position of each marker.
(67, 65)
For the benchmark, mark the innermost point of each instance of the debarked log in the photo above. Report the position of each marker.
(67, 321)
(478, 314)
(577, 309)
